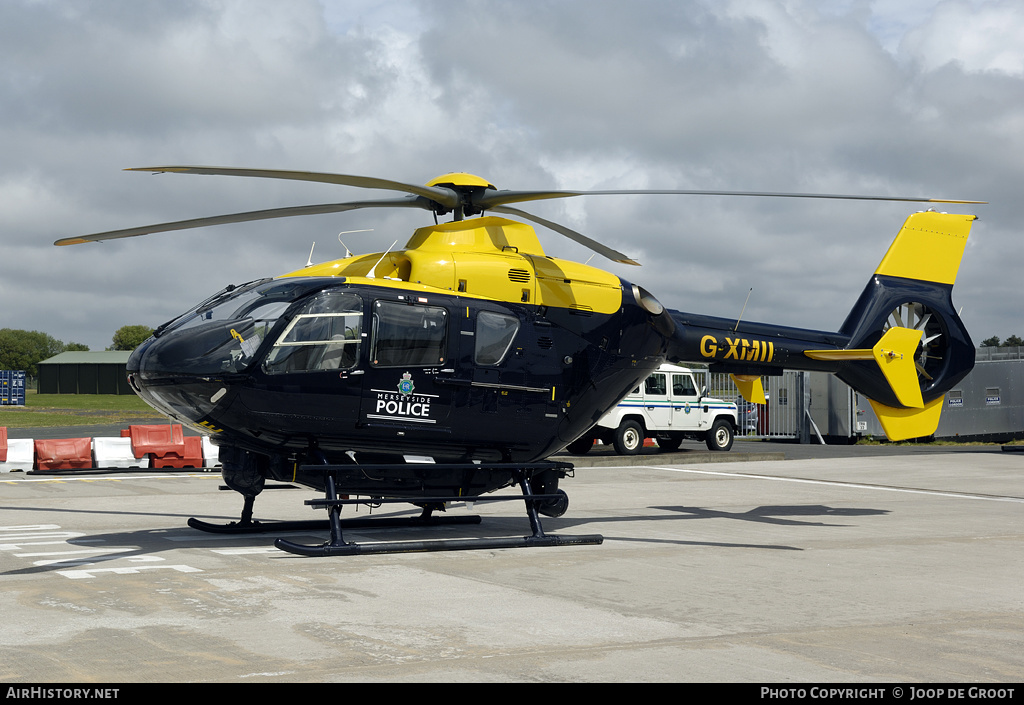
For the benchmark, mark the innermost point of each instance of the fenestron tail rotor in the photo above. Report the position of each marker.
(931, 352)
(460, 194)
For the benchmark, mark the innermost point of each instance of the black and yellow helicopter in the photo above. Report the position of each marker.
(471, 347)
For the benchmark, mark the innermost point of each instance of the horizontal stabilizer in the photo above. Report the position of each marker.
(894, 354)
(901, 424)
(750, 387)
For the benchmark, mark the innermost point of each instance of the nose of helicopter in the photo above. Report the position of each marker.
(176, 392)
(187, 368)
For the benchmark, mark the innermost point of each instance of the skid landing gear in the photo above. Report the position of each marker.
(337, 546)
(247, 525)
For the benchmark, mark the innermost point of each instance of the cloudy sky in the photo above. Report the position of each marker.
(901, 98)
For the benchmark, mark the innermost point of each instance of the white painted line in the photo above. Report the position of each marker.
(93, 560)
(83, 552)
(119, 477)
(856, 485)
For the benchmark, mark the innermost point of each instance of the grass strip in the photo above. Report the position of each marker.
(47, 410)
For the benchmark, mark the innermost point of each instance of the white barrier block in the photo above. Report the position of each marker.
(116, 453)
(20, 455)
(211, 454)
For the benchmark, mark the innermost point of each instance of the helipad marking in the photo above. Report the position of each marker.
(92, 572)
(18, 537)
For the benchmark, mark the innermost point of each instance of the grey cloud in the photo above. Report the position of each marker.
(758, 95)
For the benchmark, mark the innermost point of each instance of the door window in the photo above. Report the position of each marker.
(408, 336)
(494, 335)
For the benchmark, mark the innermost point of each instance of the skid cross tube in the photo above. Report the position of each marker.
(270, 527)
(328, 503)
(337, 546)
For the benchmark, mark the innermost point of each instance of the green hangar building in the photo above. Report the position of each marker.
(85, 373)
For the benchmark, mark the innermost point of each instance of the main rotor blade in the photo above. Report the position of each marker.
(491, 198)
(443, 196)
(407, 202)
(613, 255)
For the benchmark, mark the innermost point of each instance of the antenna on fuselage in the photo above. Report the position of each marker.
(346, 232)
(309, 260)
(737, 326)
(370, 274)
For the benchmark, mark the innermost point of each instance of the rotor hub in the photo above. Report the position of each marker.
(467, 188)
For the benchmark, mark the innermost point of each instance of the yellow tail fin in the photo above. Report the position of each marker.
(900, 424)
(894, 354)
(750, 387)
(929, 247)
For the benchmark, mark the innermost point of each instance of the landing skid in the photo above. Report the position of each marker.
(337, 546)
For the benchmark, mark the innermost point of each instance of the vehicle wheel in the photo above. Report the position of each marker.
(720, 435)
(629, 438)
(581, 446)
(669, 443)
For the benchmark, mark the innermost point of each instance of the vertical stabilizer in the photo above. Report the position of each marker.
(909, 301)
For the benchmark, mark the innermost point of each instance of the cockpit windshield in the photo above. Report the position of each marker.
(223, 305)
(222, 334)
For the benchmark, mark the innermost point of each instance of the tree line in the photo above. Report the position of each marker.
(25, 349)
(1011, 342)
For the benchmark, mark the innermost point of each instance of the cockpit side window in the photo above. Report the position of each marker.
(325, 334)
(408, 335)
(494, 335)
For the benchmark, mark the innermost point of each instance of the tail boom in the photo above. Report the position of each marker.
(903, 345)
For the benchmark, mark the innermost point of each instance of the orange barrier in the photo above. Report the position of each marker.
(157, 440)
(63, 453)
(158, 447)
(189, 456)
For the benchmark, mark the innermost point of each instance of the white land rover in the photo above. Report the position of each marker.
(667, 407)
